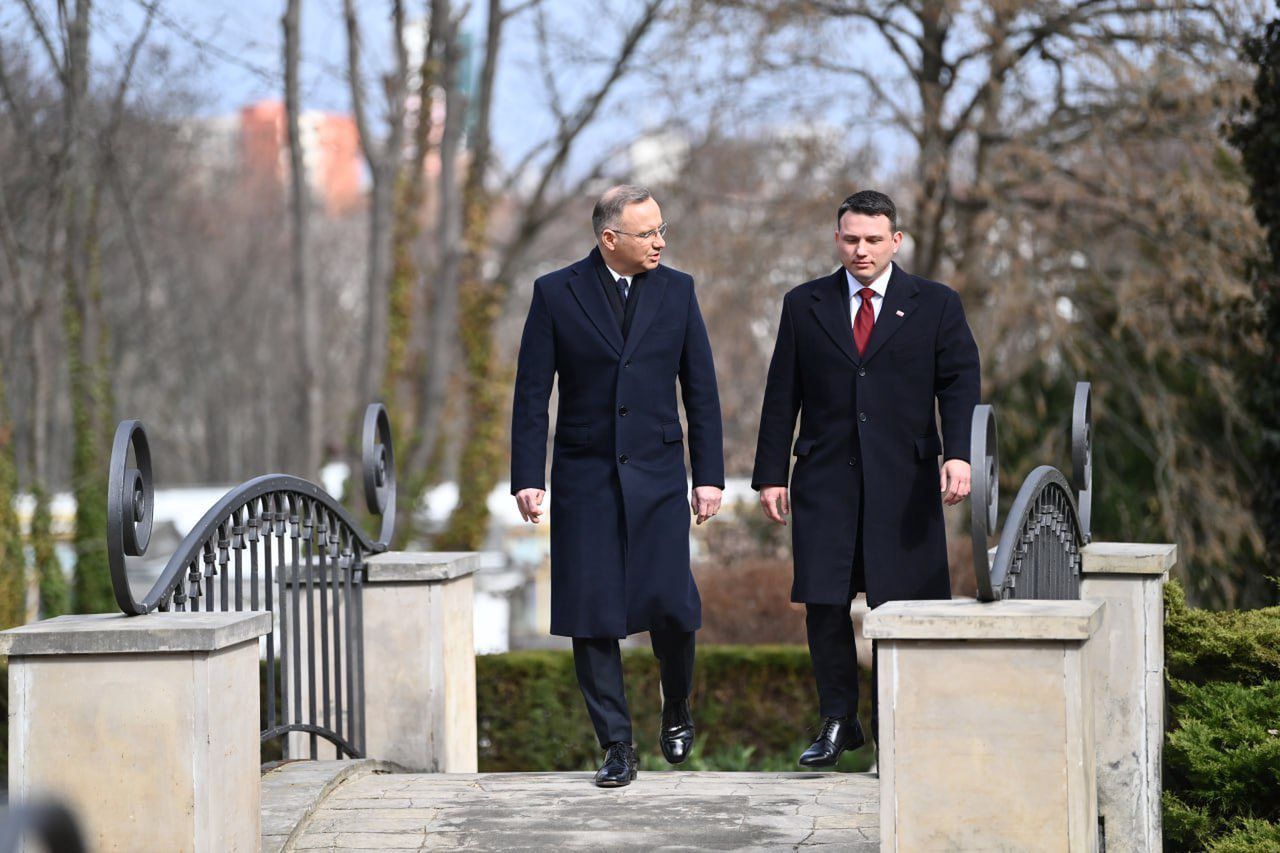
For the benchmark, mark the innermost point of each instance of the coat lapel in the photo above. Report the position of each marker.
(649, 300)
(831, 308)
(586, 288)
(897, 307)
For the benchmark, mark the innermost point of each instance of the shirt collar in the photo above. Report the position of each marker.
(616, 276)
(880, 284)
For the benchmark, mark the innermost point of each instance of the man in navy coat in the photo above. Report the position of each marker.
(619, 329)
(863, 356)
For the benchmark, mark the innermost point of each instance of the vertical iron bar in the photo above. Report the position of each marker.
(254, 523)
(224, 571)
(286, 616)
(331, 529)
(311, 619)
(210, 585)
(261, 536)
(345, 561)
(316, 555)
(358, 580)
(237, 543)
(296, 598)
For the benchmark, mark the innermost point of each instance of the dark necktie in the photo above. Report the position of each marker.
(622, 290)
(865, 319)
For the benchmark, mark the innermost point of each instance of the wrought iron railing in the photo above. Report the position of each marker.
(1038, 555)
(301, 556)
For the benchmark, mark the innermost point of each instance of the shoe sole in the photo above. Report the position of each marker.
(622, 784)
(835, 760)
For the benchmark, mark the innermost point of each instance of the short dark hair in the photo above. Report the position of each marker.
(608, 210)
(869, 203)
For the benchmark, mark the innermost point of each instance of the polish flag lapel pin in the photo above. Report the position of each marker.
(900, 313)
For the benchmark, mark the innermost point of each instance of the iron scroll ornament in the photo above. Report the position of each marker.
(984, 494)
(131, 511)
(1038, 555)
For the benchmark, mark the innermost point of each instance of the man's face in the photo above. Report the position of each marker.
(866, 245)
(627, 254)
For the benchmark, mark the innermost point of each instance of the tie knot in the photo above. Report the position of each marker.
(866, 293)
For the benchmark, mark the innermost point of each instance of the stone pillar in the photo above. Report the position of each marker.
(986, 725)
(420, 660)
(1128, 675)
(145, 726)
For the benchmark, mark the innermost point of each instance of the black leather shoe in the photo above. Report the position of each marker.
(676, 737)
(619, 766)
(837, 735)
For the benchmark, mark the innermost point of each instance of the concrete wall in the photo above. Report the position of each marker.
(147, 727)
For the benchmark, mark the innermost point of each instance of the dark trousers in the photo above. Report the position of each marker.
(598, 663)
(835, 662)
(831, 648)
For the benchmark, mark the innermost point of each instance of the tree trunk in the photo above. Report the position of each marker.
(311, 372)
(442, 306)
(480, 302)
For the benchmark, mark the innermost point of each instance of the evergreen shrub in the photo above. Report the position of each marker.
(1222, 750)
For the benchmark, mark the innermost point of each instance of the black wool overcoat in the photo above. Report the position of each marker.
(868, 433)
(619, 491)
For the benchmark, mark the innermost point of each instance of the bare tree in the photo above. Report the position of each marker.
(312, 377)
(386, 162)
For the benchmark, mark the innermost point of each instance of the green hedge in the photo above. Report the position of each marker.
(1222, 751)
(755, 707)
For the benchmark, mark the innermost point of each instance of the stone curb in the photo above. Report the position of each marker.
(291, 793)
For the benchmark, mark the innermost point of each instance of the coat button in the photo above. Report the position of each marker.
(852, 462)
(627, 363)
(623, 458)
(623, 411)
(862, 371)
(862, 416)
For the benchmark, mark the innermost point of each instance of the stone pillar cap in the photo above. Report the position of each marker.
(966, 619)
(115, 633)
(420, 566)
(1127, 558)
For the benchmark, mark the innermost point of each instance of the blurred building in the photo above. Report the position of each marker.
(251, 148)
(330, 153)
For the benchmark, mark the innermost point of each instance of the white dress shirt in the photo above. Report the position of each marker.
(880, 284)
(625, 279)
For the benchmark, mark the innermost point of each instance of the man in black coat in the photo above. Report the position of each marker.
(619, 329)
(863, 356)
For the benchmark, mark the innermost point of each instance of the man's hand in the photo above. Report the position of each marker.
(530, 503)
(705, 502)
(776, 503)
(955, 481)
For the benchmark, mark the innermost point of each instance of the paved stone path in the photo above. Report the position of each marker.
(373, 810)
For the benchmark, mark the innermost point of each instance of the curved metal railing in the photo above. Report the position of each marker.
(305, 563)
(1038, 556)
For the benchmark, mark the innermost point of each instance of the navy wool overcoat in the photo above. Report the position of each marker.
(619, 494)
(868, 433)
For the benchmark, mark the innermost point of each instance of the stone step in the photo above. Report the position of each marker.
(346, 805)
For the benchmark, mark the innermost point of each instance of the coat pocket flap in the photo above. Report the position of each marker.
(803, 446)
(928, 447)
(573, 436)
(672, 432)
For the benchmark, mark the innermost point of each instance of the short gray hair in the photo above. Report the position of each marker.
(608, 210)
